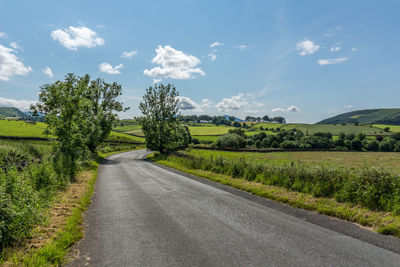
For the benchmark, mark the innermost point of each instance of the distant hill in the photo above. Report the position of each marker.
(236, 119)
(6, 112)
(379, 116)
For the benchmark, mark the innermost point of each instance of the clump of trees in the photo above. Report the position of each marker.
(79, 112)
(230, 121)
(161, 120)
(295, 139)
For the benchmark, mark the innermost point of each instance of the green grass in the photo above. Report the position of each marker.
(209, 130)
(269, 125)
(22, 129)
(392, 128)
(212, 138)
(335, 129)
(329, 159)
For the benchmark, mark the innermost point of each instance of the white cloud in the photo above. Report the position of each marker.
(2, 34)
(307, 47)
(212, 56)
(74, 37)
(278, 110)
(157, 81)
(332, 61)
(20, 104)
(10, 64)
(108, 68)
(335, 48)
(234, 103)
(348, 106)
(129, 54)
(15, 45)
(48, 72)
(354, 49)
(185, 103)
(205, 103)
(329, 34)
(293, 109)
(215, 44)
(242, 46)
(174, 64)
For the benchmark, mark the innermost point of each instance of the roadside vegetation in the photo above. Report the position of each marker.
(78, 114)
(369, 196)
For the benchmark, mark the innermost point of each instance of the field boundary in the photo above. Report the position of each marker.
(50, 139)
(329, 222)
(274, 150)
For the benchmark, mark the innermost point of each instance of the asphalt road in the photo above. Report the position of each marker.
(144, 215)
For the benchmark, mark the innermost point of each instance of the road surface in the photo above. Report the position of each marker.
(144, 215)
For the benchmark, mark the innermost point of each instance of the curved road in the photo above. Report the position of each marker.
(145, 215)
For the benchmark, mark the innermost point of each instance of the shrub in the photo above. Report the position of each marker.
(195, 141)
(275, 144)
(289, 144)
(385, 146)
(231, 141)
(373, 146)
(356, 144)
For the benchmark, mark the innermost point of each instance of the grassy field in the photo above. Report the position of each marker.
(392, 128)
(329, 159)
(24, 129)
(209, 130)
(335, 129)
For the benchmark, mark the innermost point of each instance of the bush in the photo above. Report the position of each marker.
(230, 141)
(356, 144)
(373, 146)
(289, 144)
(275, 144)
(195, 141)
(385, 146)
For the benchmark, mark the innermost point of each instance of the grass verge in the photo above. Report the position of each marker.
(50, 243)
(381, 222)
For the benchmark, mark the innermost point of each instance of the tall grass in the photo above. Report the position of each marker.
(373, 188)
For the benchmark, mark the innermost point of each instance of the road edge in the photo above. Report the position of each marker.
(332, 223)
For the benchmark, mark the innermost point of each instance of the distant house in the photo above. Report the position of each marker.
(204, 121)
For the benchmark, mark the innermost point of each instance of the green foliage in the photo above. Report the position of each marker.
(230, 141)
(160, 120)
(385, 146)
(376, 189)
(79, 113)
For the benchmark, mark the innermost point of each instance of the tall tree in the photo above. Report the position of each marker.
(160, 120)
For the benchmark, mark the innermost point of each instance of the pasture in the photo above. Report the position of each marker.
(328, 159)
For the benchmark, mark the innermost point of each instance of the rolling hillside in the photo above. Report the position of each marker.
(7, 112)
(389, 116)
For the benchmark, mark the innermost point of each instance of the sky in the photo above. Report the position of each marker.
(303, 60)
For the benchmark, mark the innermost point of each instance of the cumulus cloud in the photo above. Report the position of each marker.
(48, 72)
(185, 103)
(242, 46)
(212, 56)
(157, 81)
(278, 110)
(75, 37)
(335, 48)
(354, 49)
(2, 34)
(108, 68)
(15, 45)
(20, 104)
(174, 64)
(129, 54)
(332, 61)
(215, 44)
(234, 103)
(348, 106)
(293, 108)
(307, 47)
(10, 64)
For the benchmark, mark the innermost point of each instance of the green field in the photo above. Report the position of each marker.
(335, 129)
(329, 159)
(24, 129)
(209, 130)
(392, 128)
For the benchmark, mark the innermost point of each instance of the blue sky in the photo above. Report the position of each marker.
(304, 60)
